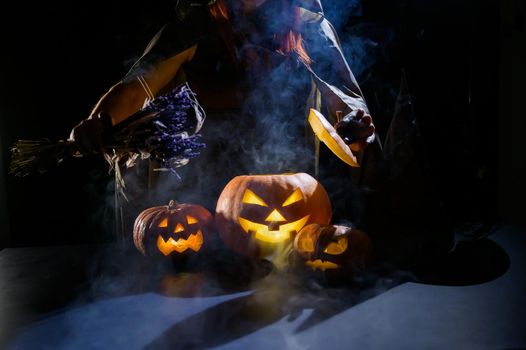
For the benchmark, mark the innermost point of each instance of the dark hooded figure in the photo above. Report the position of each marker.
(257, 67)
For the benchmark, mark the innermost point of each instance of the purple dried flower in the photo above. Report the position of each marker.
(166, 130)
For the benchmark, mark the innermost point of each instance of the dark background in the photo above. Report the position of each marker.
(464, 62)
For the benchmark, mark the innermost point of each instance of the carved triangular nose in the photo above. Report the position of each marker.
(275, 216)
(179, 228)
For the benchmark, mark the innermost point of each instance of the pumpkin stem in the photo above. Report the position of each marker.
(172, 204)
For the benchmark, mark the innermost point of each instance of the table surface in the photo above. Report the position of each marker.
(79, 298)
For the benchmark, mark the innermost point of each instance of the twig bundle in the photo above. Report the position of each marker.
(165, 130)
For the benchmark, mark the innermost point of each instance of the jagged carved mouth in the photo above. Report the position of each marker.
(263, 233)
(193, 242)
(321, 264)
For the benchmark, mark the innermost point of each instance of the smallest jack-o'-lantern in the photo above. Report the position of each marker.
(333, 248)
(173, 229)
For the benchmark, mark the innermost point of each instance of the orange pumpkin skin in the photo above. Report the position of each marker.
(173, 229)
(258, 214)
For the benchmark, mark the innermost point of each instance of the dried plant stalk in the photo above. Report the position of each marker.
(165, 130)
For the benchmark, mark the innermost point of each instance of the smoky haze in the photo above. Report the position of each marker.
(267, 134)
(134, 296)
(132, 302)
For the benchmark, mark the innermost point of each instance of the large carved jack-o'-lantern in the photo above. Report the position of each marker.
(172, 229)
(257, 214)
(339, 250)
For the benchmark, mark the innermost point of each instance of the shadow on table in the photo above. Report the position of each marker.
(119, 280)
(279, 297)
(472, 262)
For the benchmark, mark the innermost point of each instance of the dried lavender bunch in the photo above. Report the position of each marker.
(165, 130)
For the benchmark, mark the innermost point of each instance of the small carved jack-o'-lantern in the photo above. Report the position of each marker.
(256, 214)
(178, 228)
(332, 247)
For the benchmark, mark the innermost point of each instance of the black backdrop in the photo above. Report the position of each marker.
(57, 59)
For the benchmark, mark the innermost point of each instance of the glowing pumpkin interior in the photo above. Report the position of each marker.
(170, 238)
(258, 214)
(323, 247)
(175, 228)
(275, 227)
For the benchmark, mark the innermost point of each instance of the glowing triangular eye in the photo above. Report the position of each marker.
(179, 228)
(337, 248)
(251, 198)
(296, 196)
(191, 220)
(163, 223)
